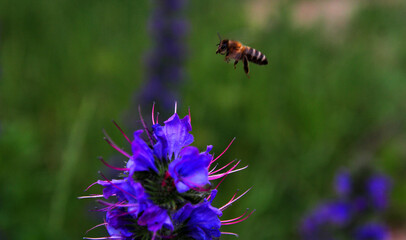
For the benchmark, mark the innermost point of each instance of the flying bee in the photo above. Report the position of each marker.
(237, 51)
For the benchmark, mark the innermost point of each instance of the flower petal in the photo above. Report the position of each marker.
(201, 221)
(155, 218)
(190, 169)
(118, 222)
(173, 136)
(143, 158)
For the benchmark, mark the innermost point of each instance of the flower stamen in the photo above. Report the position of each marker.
(222, 152)
(145, 125)
(152, 113)
(238, 221)
(122, 132)
(99, 225)
(112, 167)
(111, 143)
(232, 200)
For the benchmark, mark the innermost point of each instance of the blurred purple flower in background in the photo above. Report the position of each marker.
(361, 197)
(342, 183)
(371, 231)
(164, 62)
(330, 215)
(165, 189)
(378, 190)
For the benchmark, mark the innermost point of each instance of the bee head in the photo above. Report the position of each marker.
(222, 46)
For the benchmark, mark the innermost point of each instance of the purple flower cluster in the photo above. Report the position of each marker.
(165, 191)
(164, 63)
(354, 214)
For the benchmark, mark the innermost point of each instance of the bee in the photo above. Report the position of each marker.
(236, 50)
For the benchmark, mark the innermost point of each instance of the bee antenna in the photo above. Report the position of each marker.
(218, 34)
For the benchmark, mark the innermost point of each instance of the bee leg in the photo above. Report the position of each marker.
(246, 69)
(227, 59)
(235, 64)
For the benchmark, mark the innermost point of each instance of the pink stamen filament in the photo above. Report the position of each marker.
(145, 125)
(217, 176)
(229, 233)
(99, 210)
(235, 194)
(153, 109)
(101, 238)
(241, 220)
(229, 172)
(109, 141)
(106, 209)
(99, 225)
(232, 200)
(213, 169)
(112, 167)
(127, 213)
(122, 132)
(213, 172)
(234, 219)
(212, 161)
(91, 185)
(110, 205)
(91, 196)
(127, 205)
(220, 181)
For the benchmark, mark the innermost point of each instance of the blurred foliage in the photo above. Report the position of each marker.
(69, 67)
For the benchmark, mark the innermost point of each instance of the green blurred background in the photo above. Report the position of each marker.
(332, 96)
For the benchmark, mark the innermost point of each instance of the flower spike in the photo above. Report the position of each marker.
(165, 189)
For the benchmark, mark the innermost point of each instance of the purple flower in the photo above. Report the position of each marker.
(126, 190)
(189, 170)
(187, 166)
(342, 183)
(118, 223)
(143, 158)
(165, 62)
(378, 188)
(172, 137)
(200, 222)
(371, 231)
(361, 196)
(334, 214)
(339, 212)
(155, 218)
(137, 203)
(165, 187)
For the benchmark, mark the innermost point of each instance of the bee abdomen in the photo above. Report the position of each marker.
(255, 56)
